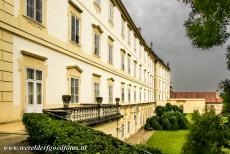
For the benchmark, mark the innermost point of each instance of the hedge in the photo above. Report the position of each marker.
(45, 130)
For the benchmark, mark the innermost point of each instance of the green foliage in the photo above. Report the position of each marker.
(155, 124)
(170, 117)
(160, 110)
(150, 149)
(166, 124)
(207, 22)
(209, 134)
(45, 130)
(225, 87)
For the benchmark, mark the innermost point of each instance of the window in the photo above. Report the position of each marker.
(96, 86)
(110, 88)
(140, 50)
(96, 90)
(128, 127)
(134, 43)
(129, 93)
(135, 94)
(122, 27)
(145, 75)
(128, 60)
(144, 95)
(122, 130)
(111, 11)
(140, 73)
(122, 60)
(140, 94)
(129, 35)
(74, 90)
(134, 68)
(140, 120)
(34, 9)
(96, 44)
(34, 86)
(110, 51)
(75, 29)
(122, 93)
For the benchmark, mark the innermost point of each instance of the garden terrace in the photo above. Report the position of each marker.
(88, 114)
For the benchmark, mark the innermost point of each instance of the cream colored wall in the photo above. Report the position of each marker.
(162, 92)
(113, 127)
(218, 107)
(108, 127)
(190, 105)
(8, 110)
(51, 41)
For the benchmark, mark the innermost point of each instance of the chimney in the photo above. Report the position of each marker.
(151, 45)
(139, 28)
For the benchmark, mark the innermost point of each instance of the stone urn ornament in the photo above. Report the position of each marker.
(66, 100)
(99, 100)
(117, 101)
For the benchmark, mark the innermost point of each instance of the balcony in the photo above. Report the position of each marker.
(87, 114)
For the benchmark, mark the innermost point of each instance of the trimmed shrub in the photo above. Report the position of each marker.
(170, 117)
(155, 124)
(166, 124)
(44, 130)
(160, 110)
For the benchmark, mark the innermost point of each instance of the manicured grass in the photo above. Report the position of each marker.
(170, 142)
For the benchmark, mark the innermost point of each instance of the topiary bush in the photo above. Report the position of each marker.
(170, 117)
(44, 130)
(155, 124)
(166, 124)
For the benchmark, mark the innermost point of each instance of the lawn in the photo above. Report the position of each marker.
(170, 142)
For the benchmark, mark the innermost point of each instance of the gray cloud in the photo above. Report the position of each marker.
(162, 23)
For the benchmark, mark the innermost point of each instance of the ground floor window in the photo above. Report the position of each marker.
(74, 90)
(34, 86)
(96, 90)
(122, 130)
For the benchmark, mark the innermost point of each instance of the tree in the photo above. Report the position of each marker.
(209, 134)
(207, 24)
(225, 87)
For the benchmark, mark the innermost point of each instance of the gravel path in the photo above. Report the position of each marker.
(141, 137)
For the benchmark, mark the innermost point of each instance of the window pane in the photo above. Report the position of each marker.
(77, 31)
(74, 90)
(73, 38)
(30, 73)
(39, 93)
(30, 8)
(39, 10)
(96, 44)
(38, 75)
(30, 93)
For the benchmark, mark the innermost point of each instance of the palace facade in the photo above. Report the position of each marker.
(86, 49)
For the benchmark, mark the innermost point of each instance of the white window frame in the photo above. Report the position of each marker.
(34, 9)
(74, 94)
(34, 82)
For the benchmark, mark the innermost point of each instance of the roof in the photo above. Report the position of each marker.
(210, 97)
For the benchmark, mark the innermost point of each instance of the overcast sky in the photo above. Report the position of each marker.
(162, 23)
